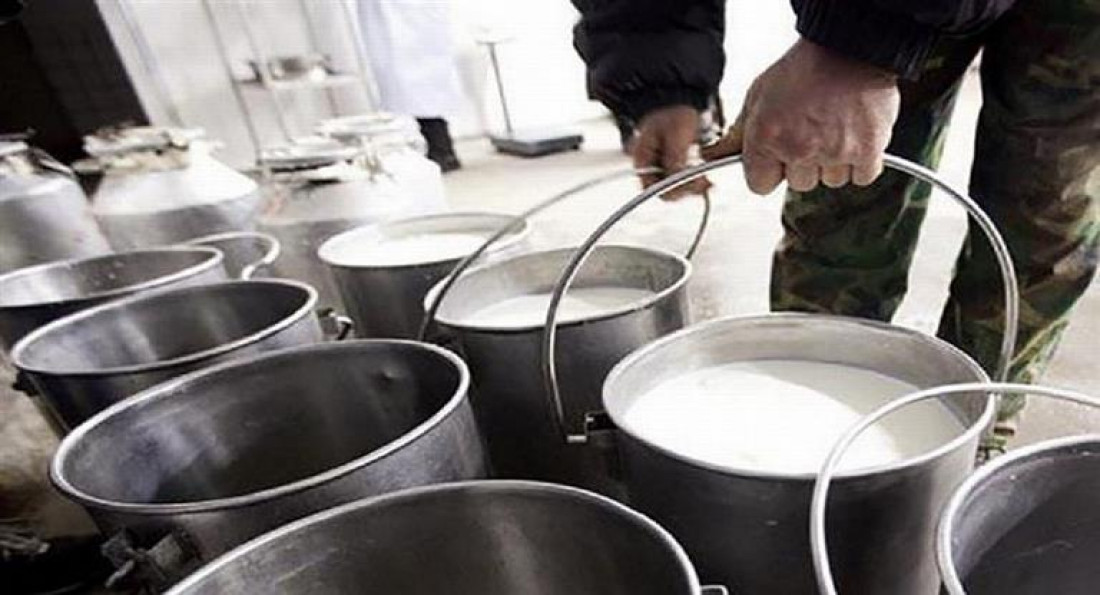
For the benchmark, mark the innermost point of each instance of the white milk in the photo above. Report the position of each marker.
(784, 416)
(414, 249)
(530, 310)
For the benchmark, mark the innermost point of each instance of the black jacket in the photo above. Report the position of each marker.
(644, 54)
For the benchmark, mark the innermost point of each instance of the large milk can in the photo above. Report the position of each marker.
(747, 527)
(206, 461)
(163, 186)
(86, 361)
(467, 538)
(1026, 523)
(32, 296)
(315, 189)
(396, 149)
(519, 425)
(384, 271)
(44, 214)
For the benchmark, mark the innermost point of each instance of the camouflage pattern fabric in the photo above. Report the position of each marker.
(1036, 172)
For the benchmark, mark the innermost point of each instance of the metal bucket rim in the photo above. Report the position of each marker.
(687, 270)
(216, 258)
(523, 229)
(945, 548)
(170, 389)
(285, 322)
(636, 518)
(970, 432)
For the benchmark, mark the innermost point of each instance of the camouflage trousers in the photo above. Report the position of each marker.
(1036, 171)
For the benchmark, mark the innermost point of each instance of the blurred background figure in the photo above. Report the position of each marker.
(412, 55)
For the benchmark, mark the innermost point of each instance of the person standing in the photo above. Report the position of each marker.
(412, 56)
(874, 76)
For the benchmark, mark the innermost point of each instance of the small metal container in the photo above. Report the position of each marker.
(470, 538)
(206, 461)
(82, 363)
(387, 300)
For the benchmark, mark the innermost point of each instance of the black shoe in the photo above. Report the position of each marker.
(441, 148)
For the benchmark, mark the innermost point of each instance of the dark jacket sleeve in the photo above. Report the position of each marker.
(892, 34)
(645, 54)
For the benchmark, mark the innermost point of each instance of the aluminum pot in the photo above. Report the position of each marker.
(519, 425)
(82, 363)
(33, 296)
(386, 300)
(44, 214)
(206, 461)
(469, 538)
(748, 529)
(163, 186)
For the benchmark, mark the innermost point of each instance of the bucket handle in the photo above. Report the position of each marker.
(271, 251)
(713, 590)
(818, 540)
(1000, 249)
(513, 225)
(156, 567)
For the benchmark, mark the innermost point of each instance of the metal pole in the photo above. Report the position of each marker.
(148, 63)
(500, 87)
(227, 66)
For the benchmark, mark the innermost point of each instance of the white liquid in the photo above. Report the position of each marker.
(784, 416)
(530, 310)
(414, 249)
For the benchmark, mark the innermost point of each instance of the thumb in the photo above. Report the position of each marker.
(731, 143)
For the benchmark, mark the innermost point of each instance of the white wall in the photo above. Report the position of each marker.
(545, 79)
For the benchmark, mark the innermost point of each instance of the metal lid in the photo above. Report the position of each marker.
(113, 142)
(308, 153)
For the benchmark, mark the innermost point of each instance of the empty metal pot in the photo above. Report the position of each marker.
(748, 529)
(519, 425)
(387, 300)
(87, 361)
(245, 252)
(33, 296)
(44, 214)
(209, 460)
(471, 538)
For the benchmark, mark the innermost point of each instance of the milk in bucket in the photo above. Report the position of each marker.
(783, 416)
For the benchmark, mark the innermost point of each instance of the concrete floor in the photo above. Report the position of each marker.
(733, 264)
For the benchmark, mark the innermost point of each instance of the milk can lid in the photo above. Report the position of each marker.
(111, 142)
(308, 153)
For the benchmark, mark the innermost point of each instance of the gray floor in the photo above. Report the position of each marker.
(733, 263)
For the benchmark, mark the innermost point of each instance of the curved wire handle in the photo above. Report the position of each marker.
(1000, 249)
(271, 253)
(449, 281)
(818, 541)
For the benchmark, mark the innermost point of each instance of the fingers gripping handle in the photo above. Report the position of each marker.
(818, 540)
(1000, 249)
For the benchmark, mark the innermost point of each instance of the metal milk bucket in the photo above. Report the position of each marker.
(44, 214)
(386, 300)
(33, 296)
(192, 467)
(468, 538)
(746, 528)
(84, 362)
(519, 426)
(162, 186)
(1025, 523)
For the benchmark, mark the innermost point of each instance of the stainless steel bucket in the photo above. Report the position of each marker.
(748, 529)
(471, 538)
(33, 296)
(84, 362)
(206, 461)
(245, 252)
(386, 301)
(519, 425)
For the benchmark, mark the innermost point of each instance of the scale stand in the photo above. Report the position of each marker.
(526, 143)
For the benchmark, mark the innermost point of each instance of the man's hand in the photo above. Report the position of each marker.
(813, 116)
(664, 140)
